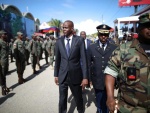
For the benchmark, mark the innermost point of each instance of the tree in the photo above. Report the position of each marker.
(55, 22)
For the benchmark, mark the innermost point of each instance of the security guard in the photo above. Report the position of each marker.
(33, 51)
(19, 54)
(51, 48)
(98, 55)
(4, 61)
(131, 63)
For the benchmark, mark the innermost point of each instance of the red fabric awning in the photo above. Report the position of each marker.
(133, 2)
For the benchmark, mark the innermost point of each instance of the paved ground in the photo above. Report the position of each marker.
(39, 94)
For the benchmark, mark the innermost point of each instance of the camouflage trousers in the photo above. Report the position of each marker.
(3, 73)
(51, 59)
(33, 61)
(126, 108)
(20, 66)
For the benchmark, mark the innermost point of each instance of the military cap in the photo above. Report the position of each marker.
(33, 35)
(103, 28)
(2, 32)
(19, 33)
(145, 18)
(38, 37)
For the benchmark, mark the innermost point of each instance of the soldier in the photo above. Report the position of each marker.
(33, 51)
(11, 49)
(131, 63)
(19, 54)
(4, 62)
(27, 51)
(98, 56)
(41, 55)
(39, 50)
(45, 49)
(51, 48)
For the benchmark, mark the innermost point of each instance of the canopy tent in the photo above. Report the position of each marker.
(44, 25)
(131, 19)
(125, 20)
(51, 29)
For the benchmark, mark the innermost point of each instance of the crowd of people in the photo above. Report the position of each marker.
(21, 50)
(79, 63)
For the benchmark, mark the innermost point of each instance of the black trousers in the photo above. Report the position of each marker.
(63, 95)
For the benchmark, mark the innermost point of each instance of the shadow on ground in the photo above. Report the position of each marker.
(3, 99)
(88, 98)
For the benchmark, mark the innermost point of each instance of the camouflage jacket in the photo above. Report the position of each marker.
(32, 47)
(19, 50)
(51, 46)
(4, 52)
(131, 54)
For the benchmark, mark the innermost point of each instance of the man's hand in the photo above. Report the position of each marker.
(111, 104)
(56, 81)
(84, 83)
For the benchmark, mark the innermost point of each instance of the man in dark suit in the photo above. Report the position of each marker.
(88, 42)
(98, 55)
(67, 72)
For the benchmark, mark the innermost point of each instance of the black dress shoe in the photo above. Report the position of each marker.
(5, 90)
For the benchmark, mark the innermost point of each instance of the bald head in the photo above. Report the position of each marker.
(68, 28)
(83, 34)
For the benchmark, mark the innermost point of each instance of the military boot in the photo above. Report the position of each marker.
(20, 79)
(5, 90)
(34, 71)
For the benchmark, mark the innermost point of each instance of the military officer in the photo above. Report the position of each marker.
(33, 51)
(4, 62)
(51, 48)
(131, 63)
(98, 55)
(27, 50)
(19, 54)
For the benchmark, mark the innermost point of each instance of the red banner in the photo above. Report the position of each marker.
(133, 2)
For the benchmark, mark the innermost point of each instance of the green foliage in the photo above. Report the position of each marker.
(55, 22)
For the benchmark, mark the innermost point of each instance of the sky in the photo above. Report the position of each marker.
(86, 14)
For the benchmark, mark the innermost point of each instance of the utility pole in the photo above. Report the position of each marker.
(102, 19)
(134, 25)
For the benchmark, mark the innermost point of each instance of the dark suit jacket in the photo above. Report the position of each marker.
(89, 42)
(97, 58)
(71, 65)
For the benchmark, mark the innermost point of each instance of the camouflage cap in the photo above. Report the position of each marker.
(145, 18)
(19, 33)
(103, 28)
(2, 32)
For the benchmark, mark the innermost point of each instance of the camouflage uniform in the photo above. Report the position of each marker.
(33, 50)
(27, 51)
(51, 48)
(45, 49)
(19, 54)
(11, 50)
(39, 50)
(134, 96)
(4, 64)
